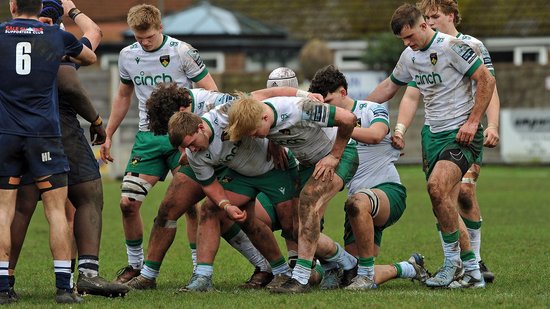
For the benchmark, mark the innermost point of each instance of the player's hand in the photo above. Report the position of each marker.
(235, 213)
(67, 6)
(97, 134)
(278, 154)
(105, 151)
(316, 97)
(324, 169)
(491, 137)
(466, 133)
(397, 141)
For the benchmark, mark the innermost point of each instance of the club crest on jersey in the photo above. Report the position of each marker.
(164, 60)
(226, 179)
(433, 58)
(135, 160)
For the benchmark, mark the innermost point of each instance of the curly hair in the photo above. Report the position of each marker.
(326, 80)
(165, 100)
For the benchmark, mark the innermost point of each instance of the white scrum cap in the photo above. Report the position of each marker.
(282, 77)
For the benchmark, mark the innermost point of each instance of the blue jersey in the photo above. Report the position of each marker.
(30, 54)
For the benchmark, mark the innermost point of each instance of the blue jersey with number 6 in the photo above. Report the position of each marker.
(30, 54)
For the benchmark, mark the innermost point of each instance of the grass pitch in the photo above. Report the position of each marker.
(515, 246)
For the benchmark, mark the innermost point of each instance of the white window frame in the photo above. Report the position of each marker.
(219, 57)
(541, 51)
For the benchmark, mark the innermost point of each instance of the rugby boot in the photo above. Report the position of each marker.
(468, 281)
(348, 275)
(451, 271)
(126, 274)
(6, 298)
(291, 286)
(361, 283)
(277, 281)
(198, 283)
(258, 280)
(141, 283)
(99, 286)
(488, 275)
(13, 294)
(417, 262)
(63, 296)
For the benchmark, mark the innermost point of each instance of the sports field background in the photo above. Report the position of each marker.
(515, 204)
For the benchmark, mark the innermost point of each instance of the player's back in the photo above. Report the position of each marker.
(31, 52)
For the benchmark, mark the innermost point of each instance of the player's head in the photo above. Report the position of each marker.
(165, 100)
(330, 83)
(408, 24)
(442, 15)
(52, 11)
(182, 124)
(145, 21)
(246, 118)
(282, 77)
(25, 7)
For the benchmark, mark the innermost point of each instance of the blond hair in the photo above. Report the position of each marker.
(143, 17)
(245, 116)
(182, 124)
(445, 6)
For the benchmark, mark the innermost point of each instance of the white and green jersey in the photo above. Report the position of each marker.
(247, 157)
(480, 50)
(205, 100)
(299, 124)
(442, 73)
(376, 161)
(174, 61)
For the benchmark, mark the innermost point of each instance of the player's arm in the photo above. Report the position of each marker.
(371, 135)
(121, 104)
(485, 87)
(266, 93)
(88, 27)
(216, 193)
(384, 91)
(194, 68)
(407, 110)
(207, 82)
(493, 117)
(345, 121)
(71, 89)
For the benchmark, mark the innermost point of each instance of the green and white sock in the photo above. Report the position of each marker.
(238, 240)
(474, 231)
(134, 250)
(302, 271)
(280, 266)
(366, 267)
(151, 269)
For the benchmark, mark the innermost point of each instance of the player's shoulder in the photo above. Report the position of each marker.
(133, 48)
(470, 39)
(443, 40)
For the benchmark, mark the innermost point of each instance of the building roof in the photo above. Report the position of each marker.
(334, 19)
(353, 19)
(206, 19)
